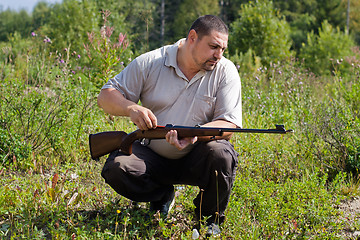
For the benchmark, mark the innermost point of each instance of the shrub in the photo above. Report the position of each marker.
(106, 57)
(334, 137)
(261, 29)
(323, 51)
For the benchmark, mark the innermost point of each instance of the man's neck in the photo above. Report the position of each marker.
(185, 62)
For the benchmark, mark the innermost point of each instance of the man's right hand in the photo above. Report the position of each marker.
(143, 117)
(114, 103)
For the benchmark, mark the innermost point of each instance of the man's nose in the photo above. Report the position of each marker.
(218, 53)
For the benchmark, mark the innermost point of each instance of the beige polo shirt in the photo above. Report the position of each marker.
(156, 81)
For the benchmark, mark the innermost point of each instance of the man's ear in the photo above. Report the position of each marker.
(192, 36)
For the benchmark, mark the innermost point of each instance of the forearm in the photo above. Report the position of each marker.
(113, 102)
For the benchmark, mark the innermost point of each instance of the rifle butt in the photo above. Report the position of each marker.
(105, 142)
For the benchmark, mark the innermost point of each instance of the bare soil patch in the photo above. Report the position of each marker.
(351, 215)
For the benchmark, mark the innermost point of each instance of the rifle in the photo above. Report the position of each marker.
(106, 142)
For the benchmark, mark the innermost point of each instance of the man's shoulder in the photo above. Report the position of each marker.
(153, 55)
(226, 63)
(227, 67)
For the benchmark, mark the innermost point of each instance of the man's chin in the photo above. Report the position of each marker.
(209, 66)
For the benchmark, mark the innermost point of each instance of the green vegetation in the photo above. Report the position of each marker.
(287, 187)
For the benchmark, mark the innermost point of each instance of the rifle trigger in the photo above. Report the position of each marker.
(145, 142)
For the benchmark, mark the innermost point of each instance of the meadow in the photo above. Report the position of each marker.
(287, 186)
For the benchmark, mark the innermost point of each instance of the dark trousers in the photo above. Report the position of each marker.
(144, 176)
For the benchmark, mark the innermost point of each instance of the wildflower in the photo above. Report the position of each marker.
(118, 211)
(33, 34)
(121, 38)
(65, 49)
(108, 31)
(238, 67)
(47, 40)
(79, 56)
(91, 37)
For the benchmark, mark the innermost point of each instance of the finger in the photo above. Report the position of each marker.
(153, 120)
(150, 119)
(167, 136)
(141, 124)
(171, 137)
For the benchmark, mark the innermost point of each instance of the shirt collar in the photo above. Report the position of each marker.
(171, 53)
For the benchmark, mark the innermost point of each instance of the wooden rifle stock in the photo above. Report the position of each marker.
(106, 142)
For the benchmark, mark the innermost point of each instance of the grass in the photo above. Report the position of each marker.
(72, 201)
(287, 187)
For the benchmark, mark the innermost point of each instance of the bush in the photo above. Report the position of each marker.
(106, 56)
(323, 52)
(261, 29)
(334, 138)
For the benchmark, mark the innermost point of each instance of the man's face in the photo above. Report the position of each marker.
(208, 50)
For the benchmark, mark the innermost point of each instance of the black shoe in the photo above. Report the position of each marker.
(213, 230)
(163, 206)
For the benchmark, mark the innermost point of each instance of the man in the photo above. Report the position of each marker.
(189, 83)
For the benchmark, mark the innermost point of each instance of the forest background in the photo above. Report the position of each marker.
(299, 63)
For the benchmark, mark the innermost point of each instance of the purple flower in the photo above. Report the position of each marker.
(47, 40)
(78, 56)
(62, 61)
(33, 34)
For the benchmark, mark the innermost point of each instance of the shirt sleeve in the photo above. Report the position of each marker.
(228, 104)
(129, 81)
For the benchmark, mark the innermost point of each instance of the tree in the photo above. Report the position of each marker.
(305, 16)
(354, 18)
(40, 14)
(12, 21)
(189, 11)
(69, 23)
(261, 28)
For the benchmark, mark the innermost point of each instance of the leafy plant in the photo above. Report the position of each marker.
(106, 57)
(323, 52)
(261, 29)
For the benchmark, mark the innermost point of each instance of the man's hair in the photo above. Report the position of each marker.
(207, 23)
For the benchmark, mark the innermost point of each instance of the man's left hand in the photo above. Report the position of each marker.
(172, 138)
